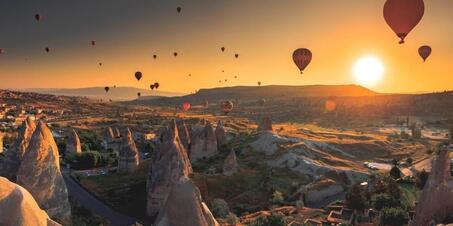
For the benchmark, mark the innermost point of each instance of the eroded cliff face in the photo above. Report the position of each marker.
(40, 174)
(19, 208)
(436, 201)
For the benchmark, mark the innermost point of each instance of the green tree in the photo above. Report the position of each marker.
(395, 172)
(355, 199)
(381, 201)
(275, 219)
(393, 217)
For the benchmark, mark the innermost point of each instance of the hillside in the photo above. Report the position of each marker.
(253, 93)
(117, 94)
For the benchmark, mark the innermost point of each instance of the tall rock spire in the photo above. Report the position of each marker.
(128, 156)
(40, 174)
(73, 143)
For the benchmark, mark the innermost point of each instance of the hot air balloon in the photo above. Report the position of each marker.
(151, 86)
(236, 55)
(114, 86)
(178, 9)
(223, 49)
(223, 71)
(190, 75)
(186, 106)
(139, 94)
(424, 52)
(156, 85)
(403, 15)
(259, 83)
(226, 106)
(47, 49)
(226, 80)
(106, 89)
(175, 54)
(38, 17)
(235, 76)
(138, 75)
(1, 51)
(155, 56)
(93, 43)
(302, 57)
(100, 64)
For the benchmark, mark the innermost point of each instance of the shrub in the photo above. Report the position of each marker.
(277, 198)
(393, 217)
(381, 201)
(220, 208)
(232, 219)
(275, 219)
(355, 199)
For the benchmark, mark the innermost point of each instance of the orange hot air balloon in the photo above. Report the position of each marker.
(223, 49)
(93, 43)
(330, 105)
(403, 15)
(138, 75)
(302, 58)
(178, 9)
(106, 89)
(186, 106)
(424, 52)
(47, 49)
(226, 106)
(38, 17)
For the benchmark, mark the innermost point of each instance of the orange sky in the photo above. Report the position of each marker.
(263, 32)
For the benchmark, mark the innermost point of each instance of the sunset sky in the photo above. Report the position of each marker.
(263, 32)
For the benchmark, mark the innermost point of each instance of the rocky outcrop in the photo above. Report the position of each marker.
(436, 202)
(73, 143)
(19, 208)
(231, 164)
(111, 140)
(265, 125)
(16, 152)
(128, 155)
(108, 134)
(322, 190)
(220, 134)
(204, 144)
(184, 135)
(184, 207)
(168, 163)
(269, 143)
(40, 174)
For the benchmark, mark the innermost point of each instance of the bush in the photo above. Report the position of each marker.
(220, 208)
(355, 199)
(381, 201)
(275, 219)
(277, 198)
(393, 217)
(232, 219)
(88, 160)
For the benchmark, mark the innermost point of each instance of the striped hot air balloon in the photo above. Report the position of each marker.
(302, 58)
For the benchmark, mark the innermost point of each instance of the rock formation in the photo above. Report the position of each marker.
(1, 142)
(265, 125)
(231, 164)
(168, 163)
(128, 155)
(108, 134)
(204, 144)
(16, 152)
(184, 135)
(40, 174)
(184, 207)
(116, 132)
(73, 143)
(19, 208)
(111, 141)
(220, 134)
(436, 202)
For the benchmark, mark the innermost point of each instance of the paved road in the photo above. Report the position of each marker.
(97, 207)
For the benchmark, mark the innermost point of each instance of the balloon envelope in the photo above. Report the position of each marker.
(186, 106)
(93, 43)
(302, 58)
(236, 55)
(223, 49)
(156, 85)
(226, 106)
(403, 15)
(47, 49)
(37, 17)
(106, 89)
(178, 9)
(424, 52)
(138, 75)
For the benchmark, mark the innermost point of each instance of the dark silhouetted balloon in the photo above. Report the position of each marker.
(226, 106)
(175, 54)
(424, 52)
(114, 86)
(100, 64)
(223, 49)
(106, 89)
(155, 56)
(38, 17)
(178, 9)
(93, 43)
(190, 75)
(235, 76)
(403, 15)
(138, 75)
(302, 58)
(236, 55)
(151, 86)
(47, 49)
(156, 85)
(186, 106)
(139, 94)
(259, 83)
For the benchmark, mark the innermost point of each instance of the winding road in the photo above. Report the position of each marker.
(94, 205)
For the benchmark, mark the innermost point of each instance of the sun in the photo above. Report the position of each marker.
(368, 70)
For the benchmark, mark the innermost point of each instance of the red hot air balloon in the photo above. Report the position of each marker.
(424, 52)
(226, 106)
(106, 89)
(403, 15)
(186, 106)
(302, 58)
(138, 75)
(93, 43)
(38, 17)
(47, 49)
